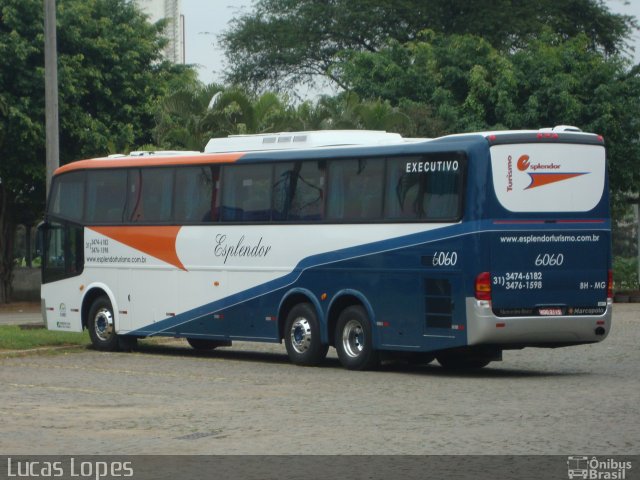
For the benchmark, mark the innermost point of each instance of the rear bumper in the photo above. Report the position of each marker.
(483, 327)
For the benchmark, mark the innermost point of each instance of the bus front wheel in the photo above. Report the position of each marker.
(101, 325)
(302, 336)
(354, 342)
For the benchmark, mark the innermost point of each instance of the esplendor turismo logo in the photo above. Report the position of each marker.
(539, 173)
(547, 174)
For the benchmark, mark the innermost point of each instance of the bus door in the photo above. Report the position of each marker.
(62, 258)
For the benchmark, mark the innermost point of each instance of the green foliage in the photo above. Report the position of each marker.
(625, 274)
(348, 111)
(470, 86)
(189, 116)
(110, 80)
(192, 115)
(285, 42)
(111, 77)
(12, 337)
(455, 65)
(624, 231)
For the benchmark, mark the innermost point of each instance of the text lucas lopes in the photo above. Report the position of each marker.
(69, 467)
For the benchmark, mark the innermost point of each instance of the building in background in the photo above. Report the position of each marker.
(174, 32)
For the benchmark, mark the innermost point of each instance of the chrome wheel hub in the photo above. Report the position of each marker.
(301, 335)
(104, 324)
(353, 338)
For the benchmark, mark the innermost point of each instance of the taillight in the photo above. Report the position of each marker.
(610, 284)
(483, 286)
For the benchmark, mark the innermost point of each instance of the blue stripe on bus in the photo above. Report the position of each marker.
(168, 325)
(304, 265)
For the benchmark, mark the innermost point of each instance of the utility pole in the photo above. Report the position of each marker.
(637, 215)
(51, 90)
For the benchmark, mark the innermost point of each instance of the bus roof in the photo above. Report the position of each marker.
(299, 140)
(232, 148)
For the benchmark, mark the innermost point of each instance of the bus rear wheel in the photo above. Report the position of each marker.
(354, 341)
(101, 325)
(302, 336)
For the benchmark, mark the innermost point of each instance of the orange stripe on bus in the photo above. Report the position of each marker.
(158, 242)
(150, 161)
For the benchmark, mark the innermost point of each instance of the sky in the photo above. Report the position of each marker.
(206, 19)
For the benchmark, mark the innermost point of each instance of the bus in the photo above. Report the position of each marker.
(454, 248)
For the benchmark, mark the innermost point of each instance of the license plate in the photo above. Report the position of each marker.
(550, 311)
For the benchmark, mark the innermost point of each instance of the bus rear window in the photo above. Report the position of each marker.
(548, 177)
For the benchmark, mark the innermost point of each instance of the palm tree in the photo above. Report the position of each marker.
(181, 120)
(189, 117)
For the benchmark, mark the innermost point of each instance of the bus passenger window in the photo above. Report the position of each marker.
(197, 197)
(424, 188)
(106, 195)
(355, 189)
(298, 191)
(150, 195)
(246, 196)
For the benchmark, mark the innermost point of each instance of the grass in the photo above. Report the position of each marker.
(12, 337)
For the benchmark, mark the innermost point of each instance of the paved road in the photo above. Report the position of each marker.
(249, 400)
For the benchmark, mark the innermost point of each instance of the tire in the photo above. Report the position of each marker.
(354, 340)
(302, 336)
(101, 325)
(204, 345)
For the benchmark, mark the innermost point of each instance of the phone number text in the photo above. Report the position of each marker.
(519, 280)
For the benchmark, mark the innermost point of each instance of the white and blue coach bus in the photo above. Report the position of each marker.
(454, 248)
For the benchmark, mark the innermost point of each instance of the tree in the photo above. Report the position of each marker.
(21, 121)
(282, 43)
(110, 79)
(180, 118)
(471, 86)
(194, 113)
